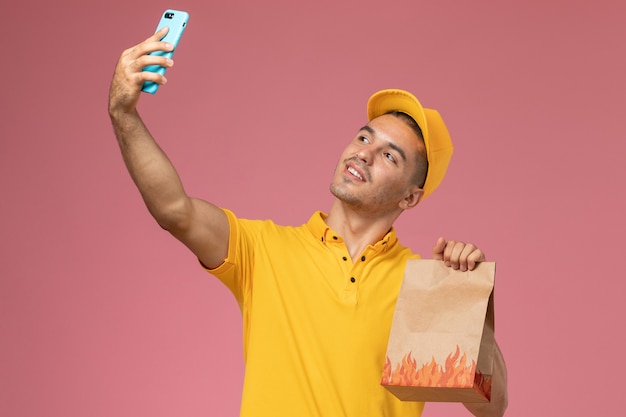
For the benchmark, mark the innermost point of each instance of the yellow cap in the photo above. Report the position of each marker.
(436, 137)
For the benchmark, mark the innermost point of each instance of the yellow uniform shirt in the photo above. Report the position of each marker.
(315, 324)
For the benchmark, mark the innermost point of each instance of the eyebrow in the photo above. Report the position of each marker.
(392, 145)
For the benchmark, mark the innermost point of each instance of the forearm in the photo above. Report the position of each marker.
(499, 391)
(150, 168)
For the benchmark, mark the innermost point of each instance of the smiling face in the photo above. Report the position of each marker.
(376, 170)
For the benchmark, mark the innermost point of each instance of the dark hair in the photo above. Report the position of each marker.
(419, 176)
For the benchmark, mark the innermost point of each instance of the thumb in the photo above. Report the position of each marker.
(439, 248)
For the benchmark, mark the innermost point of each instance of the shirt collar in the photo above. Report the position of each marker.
(324, 234)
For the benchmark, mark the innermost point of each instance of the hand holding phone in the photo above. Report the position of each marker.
(176, 21)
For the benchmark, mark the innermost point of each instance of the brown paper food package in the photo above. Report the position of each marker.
(441, 343)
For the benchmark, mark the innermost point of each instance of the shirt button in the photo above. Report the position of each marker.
(344, 258)
(335, 237)
(352, 279)
(363, 258)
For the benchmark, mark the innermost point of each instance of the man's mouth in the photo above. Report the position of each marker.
(354, 172)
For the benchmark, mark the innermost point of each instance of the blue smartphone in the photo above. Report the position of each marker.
(176, 21)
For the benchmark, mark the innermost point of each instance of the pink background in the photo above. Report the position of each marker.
(102, 313)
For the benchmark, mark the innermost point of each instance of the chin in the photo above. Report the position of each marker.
(343, 195)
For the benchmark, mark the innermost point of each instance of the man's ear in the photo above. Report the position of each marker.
(413, 197)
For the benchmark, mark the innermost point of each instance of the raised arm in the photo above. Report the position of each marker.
(201, 226)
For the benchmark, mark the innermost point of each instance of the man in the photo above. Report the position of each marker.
(317, 300)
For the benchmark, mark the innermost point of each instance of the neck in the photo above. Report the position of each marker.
(358, 227)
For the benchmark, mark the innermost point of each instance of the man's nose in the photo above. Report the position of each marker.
(364, 156)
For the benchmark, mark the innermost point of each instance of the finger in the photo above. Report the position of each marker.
(438, 249)
(156, 41)
(150, 44)
(151, 77)
(452, 254)
(465, 253)
(158, 35)
(474, 258)
(148, 60)
(144, 49)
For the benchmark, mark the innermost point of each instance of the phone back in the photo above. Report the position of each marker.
(176, 21)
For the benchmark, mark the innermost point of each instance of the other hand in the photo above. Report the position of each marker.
(457, 255)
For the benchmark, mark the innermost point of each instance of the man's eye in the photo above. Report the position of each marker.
(364, 139)
(390, 157)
